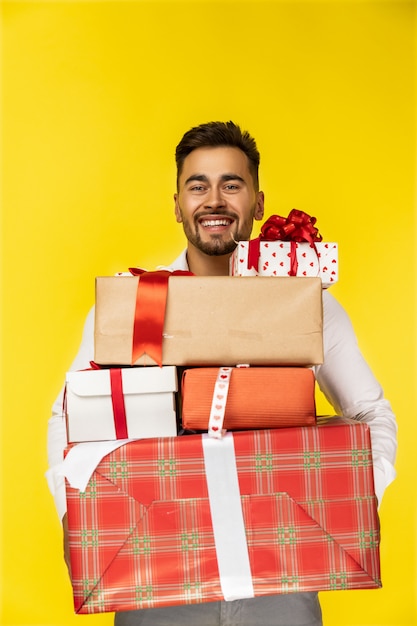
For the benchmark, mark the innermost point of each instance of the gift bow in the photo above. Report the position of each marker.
(151, 297)
(297, 227)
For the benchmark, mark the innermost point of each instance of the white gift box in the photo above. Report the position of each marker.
(320, 259)
(148, 399)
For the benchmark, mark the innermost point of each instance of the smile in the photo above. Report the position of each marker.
(209, 223)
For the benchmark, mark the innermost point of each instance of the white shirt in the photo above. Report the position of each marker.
(344, 377)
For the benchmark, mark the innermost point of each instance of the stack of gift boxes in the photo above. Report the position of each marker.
(257, 498)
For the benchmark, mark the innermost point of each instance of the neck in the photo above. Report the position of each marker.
(202, 264)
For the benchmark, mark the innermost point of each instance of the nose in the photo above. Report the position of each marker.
(214, 199)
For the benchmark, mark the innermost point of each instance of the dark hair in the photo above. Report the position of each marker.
(218, 134)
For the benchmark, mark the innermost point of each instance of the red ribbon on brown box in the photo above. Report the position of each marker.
(151, 298)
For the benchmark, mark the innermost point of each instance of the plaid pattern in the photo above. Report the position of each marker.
(141, 534)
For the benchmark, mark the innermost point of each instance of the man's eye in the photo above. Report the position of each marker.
(197, 188)
(231, 187)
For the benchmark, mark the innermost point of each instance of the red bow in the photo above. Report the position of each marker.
(151, 300)
(297, 227)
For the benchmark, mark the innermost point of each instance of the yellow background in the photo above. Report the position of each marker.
(95, 96)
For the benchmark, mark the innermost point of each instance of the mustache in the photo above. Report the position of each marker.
(203, 214)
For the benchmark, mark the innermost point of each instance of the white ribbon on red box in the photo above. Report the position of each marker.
(227, 517)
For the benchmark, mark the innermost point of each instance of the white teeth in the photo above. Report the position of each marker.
(215, 223)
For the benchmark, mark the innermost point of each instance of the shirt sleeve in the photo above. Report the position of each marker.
(57, 431)
(350, 386)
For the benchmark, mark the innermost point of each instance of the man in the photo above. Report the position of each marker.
(217, 195)
(216, 201)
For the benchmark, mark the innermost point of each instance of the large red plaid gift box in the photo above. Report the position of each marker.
(248, 397)
(207, 320)
(193, 519)
(121, 403)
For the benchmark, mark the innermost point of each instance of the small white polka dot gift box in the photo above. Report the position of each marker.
(275, 260)
(287, 247)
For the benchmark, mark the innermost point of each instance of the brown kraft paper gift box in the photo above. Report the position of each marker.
(217, 320)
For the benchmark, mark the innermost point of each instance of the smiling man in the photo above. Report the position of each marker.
(218, 195)
(216, 201)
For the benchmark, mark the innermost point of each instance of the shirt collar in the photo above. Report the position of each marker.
(180, 263)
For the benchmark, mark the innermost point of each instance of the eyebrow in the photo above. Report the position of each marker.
(202, 178)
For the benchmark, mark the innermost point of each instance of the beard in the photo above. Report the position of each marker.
(216, 245)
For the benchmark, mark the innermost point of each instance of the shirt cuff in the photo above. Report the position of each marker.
(384, 474)
(56, 484)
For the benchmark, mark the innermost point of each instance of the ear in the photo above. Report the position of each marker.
(177, 209)
(259, 208)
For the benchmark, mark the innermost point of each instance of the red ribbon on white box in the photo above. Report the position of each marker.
(218, 405)
(118, 403)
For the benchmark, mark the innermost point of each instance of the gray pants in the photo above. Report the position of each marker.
(294, 609)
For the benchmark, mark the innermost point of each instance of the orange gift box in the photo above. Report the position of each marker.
(258, 397)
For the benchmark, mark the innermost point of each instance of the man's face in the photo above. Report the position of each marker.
(216, 200)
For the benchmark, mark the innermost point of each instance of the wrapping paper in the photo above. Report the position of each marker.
(143, 405)
(146, 532)
(216, 320)
(318, 259)
(258, 397)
